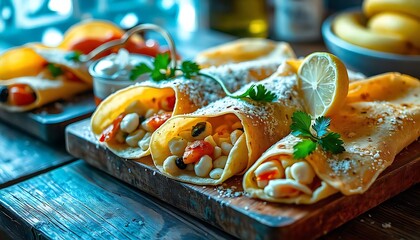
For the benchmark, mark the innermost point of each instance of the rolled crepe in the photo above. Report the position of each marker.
(58, 57)
(242, 50)
(151, 98)
(380, 118)
(240, 129)
(24, 65)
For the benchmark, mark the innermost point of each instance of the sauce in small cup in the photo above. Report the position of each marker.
(112, 73)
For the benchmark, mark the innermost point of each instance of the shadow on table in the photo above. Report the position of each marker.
(4, 236)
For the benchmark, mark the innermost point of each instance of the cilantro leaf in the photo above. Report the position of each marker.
(139, 70)
(261, 93)
(73, 56)
(301, 123)
(332, 143)
(158, 75)
(54, 70)
(321, 125)
(161, 61)
(255, 92)
(189, 68)
(160, 70)
(303, 148)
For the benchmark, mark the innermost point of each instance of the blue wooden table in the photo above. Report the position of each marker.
(77, 201)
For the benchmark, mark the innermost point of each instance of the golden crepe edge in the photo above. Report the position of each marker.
(30, 73)
(243, 49)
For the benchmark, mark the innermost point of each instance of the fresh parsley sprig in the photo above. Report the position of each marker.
(258, 93)
(161, 71)
(158, 72)
(301, 127)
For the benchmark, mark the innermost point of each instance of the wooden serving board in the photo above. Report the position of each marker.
(49, 122)
(227, 208)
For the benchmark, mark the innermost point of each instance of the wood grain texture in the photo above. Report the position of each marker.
(397, 218)
(79, 202)
(22, 156)
(241, 216)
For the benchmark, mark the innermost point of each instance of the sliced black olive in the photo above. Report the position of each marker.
(4, 94)
(198, 129)
(180, 163)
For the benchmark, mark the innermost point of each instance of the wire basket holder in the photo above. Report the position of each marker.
(124, 39)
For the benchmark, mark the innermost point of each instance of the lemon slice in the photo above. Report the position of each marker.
(323, 83)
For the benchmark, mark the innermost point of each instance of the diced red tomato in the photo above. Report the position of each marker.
(150, 47)
(196, 150)
(109, 133)
(86, 45)
(268, 175)
(169, 103)
(157, 120)
(21, 94)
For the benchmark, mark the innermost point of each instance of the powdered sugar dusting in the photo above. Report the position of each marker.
(229, 192)
(202, 90)
(262, 113)
(237, 75)
(367, 146)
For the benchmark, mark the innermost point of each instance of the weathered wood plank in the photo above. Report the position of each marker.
(79, 202)
(397, 218)
(23, 156)
(239, 215)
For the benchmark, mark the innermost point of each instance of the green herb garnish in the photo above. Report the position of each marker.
(258, 93)
(73, 56)
(161, 71)
(301, 127)
(190, 68)
(54, 70)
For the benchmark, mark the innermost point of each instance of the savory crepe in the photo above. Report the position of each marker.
(380, 118)
(242, 50)
(30, 79)
(126, 120)
(226, 137)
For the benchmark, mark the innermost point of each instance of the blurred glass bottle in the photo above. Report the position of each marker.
(243, 18)
(298, 20)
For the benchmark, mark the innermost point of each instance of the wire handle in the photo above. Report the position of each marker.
(124, 39)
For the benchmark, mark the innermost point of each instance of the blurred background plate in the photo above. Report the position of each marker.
(46, 21)
(366, 61)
